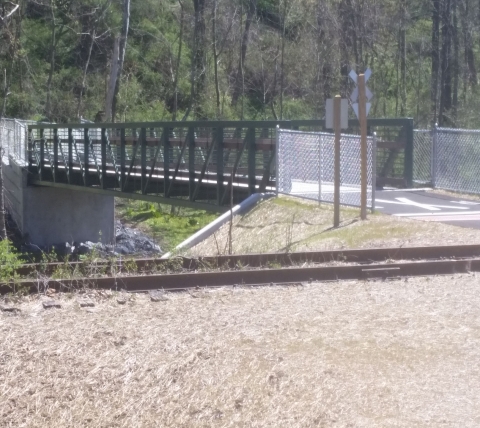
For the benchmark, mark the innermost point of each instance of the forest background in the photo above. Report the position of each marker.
(142, 60)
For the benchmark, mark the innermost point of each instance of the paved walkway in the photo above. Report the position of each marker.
(428, 206)
(418, 204)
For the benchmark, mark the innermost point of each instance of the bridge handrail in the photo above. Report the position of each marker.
(222, 124)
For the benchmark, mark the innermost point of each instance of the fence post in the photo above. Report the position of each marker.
(408, 166)
(433, 155)
(191, 162)
(42, 153)
(86, 160)
(103, 151)
(143, 160)
(277, 129)
(252, 180)
(55, 155)
(69, 167)
(166, 160)
(374, 169)
(320, 168)
(220, 162)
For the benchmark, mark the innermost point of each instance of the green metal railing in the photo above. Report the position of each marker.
(206, 164)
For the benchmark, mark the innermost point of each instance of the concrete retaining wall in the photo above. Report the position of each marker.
(48, 216)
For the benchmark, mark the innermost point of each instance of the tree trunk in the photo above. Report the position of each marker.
(239, 79)
(455, 65)
(215, 59)
(435, 58)
(4, 20)
(199, 61)
(403, 62)
(122, 47)
(282, 76)
(470, 71)
(85, 70)
(112, 81)
(446, 64)
(177, 65)
(53, 46)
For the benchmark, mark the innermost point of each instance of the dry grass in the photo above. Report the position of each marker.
(464, 196)
(356, 354)
(288, 224)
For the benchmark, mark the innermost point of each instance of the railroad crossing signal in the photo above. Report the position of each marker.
(368, 92)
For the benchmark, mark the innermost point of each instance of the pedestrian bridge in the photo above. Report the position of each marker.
(198, 164)
(65, 174)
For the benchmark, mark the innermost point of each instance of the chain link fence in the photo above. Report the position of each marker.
(13, 139)
(305, 166)
(422, 156)
(456, 160)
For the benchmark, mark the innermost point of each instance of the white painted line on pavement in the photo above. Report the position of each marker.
(448, 218)
(464, 213)
(465, 202)
(429, 207)
(420, 189)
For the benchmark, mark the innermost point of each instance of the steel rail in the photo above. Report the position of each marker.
(185, 281)
(369, 255)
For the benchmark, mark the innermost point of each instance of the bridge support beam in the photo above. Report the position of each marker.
(48, 216)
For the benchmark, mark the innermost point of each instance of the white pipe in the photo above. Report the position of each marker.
(212, 227)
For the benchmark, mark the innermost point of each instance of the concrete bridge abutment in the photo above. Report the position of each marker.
(48, 216)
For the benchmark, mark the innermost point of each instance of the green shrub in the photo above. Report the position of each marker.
(10, 261)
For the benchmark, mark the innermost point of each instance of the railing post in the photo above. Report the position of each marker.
(103, 152)
(166, 160)
(55, 155)
(143, 159)
(41, 165)
(191, 162)
(70, 155)
(408, 165)
(220, 163)
(122, 158)
(277, 144)
(433, 155)
(29, 148)
(86, 155)
(252, 179)
(374, 169)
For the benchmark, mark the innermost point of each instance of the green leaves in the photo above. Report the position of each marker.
(10, 261)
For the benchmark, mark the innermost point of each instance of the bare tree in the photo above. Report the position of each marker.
(179, 57)
(446, 64)
(217, 51)
(435, 56)
(58, 28)
(98, 16)
(240, 78)
(117, 63)
(6, 12)
(198, 62)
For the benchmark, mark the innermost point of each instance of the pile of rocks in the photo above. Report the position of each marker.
(130, 241)
(127, 242)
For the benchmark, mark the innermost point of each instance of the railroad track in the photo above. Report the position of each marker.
(257, 269)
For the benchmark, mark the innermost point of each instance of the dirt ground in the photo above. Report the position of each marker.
(342, 354)
(291, 224)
